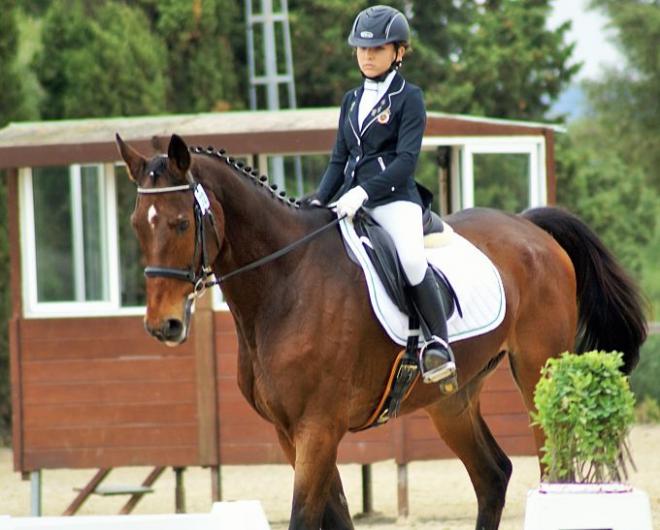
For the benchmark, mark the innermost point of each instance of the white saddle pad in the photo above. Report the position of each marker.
(473, 276)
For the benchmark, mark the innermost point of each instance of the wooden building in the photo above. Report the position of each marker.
(90, 389)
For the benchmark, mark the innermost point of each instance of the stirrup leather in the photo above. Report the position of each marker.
(445, 371)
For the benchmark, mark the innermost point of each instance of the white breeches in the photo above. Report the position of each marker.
(403, 222)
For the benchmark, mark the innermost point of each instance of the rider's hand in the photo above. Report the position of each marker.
(351, 201)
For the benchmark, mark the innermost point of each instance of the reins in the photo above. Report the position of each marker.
(202, 208)
(276, 254)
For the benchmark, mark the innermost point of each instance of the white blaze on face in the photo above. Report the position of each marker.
(151, 216)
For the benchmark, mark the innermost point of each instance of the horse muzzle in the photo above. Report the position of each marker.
(171, 331)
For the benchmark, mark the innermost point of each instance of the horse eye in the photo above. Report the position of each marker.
(182, 226)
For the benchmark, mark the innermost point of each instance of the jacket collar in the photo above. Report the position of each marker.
(382, 108)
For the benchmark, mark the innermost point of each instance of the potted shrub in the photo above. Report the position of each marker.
(585, 407)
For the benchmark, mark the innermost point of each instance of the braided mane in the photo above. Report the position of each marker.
(247, 171)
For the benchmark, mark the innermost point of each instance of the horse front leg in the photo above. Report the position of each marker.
(318, 497)
(336, 514)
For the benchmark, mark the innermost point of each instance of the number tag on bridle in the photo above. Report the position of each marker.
(202, 199)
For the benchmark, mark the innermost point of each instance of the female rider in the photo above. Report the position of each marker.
(373, 162)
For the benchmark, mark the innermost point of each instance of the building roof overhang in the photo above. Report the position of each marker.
(61, 142)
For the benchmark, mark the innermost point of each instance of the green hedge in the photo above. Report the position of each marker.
(585, 407)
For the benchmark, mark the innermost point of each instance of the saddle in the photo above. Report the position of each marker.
(382, 253)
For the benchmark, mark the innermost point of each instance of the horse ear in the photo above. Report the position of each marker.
(178, 154)
(135, 162)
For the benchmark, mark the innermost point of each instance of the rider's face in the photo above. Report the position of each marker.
(377, 60)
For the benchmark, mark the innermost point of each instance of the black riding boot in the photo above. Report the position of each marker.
(436, 361)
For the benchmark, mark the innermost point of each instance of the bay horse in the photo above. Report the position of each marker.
(313, 359)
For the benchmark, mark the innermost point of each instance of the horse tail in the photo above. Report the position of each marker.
(611, 310)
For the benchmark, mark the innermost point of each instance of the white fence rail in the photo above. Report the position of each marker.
(239, 515)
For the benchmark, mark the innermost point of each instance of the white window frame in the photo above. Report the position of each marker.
(32, 307)
(465, 147)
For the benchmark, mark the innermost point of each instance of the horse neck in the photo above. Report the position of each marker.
(256, 224)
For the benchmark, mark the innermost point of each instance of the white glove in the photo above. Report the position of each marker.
(350, 202)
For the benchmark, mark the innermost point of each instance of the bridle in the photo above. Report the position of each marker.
(200, 276)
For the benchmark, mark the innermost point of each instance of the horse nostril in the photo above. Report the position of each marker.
(154, 332)
(172, 328)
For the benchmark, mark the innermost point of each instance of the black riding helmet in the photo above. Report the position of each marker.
(379, 25)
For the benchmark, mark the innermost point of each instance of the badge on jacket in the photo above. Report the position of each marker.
(384, 117)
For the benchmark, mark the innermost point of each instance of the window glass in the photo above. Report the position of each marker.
(71, 248)
(304, 181)
(501, 180)
(51, 188)
(131, 266)
(427, 173)
(93, 231)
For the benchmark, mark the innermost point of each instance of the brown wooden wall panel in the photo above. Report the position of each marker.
(120, 393)
(105, 370)
(181, 435)
(426, 450)
(64, 329)
(110, 457)
(352, 452)
(503, 425)
(500, 379)
(87, 338)
(92, 400)
(518, 445)
(228, 364)
(246, 452)
(108, 415)
(53, 350)
(249, 429)
(501, 402)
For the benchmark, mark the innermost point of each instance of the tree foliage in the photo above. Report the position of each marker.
(323, 64)
(11, 94)
(608, 167)
(99, 59)
(10, 105)
(200, 38)
(492, 58)
(626, 101)
(609, 195)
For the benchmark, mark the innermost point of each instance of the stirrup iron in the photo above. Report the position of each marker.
(444, 372)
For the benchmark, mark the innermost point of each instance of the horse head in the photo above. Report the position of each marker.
(171, 219)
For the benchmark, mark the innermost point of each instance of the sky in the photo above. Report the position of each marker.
(593, 40)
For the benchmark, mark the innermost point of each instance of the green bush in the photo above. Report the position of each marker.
(585, 407)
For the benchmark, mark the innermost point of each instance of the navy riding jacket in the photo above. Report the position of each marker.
(382, 155)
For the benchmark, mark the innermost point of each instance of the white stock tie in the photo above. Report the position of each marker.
(368, 100)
